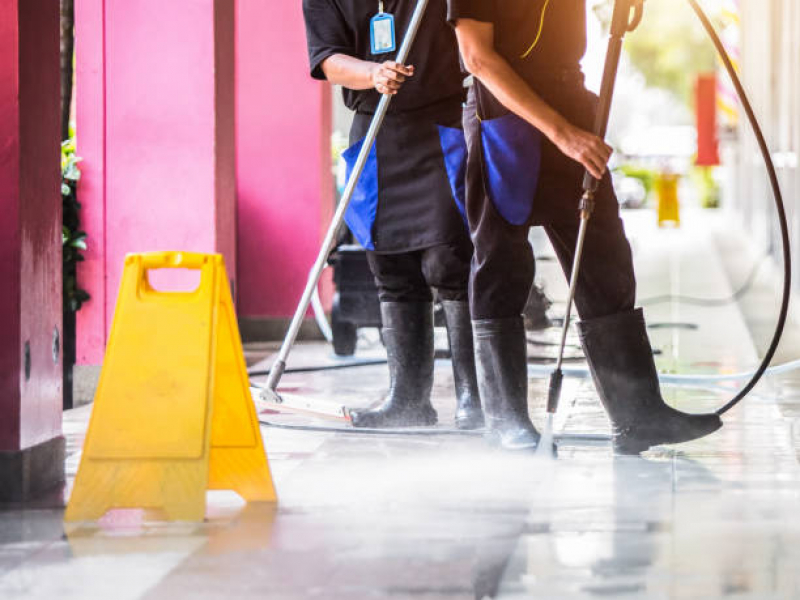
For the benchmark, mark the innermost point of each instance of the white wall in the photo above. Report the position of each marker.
(770, 70)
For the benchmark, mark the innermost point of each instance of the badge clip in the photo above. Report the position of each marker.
(382, 32)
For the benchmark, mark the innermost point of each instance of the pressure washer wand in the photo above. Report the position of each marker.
(330, 239)
(627, 16)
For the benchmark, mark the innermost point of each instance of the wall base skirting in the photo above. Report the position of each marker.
(29, 473)
(264, 329)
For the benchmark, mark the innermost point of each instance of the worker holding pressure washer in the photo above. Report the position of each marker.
(527, 123)
(407, 210)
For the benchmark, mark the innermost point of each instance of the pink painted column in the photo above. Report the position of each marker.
(284, 180)
(31, 446)
(156, 132)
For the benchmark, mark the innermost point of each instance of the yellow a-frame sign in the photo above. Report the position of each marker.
(173, 416)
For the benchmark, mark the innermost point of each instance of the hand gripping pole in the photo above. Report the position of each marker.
(330, 239)
(627, 16)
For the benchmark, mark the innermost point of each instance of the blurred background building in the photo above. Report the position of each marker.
(769, 38)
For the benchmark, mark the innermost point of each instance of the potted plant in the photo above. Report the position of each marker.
(74, 243)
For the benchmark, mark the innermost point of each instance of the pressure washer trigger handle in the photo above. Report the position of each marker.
(590, 184)
(554, 394)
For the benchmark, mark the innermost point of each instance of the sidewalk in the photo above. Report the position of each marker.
(442, 517)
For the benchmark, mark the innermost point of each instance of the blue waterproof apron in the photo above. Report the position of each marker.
(411, 194)
(512, 160)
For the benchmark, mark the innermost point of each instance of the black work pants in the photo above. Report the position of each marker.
(409, 276)
(503, 266)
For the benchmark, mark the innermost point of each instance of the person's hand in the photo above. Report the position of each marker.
(389, 76)
(585, 148)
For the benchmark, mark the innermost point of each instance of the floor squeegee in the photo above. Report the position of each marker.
(269, 394)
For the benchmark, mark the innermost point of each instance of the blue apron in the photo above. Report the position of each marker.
(512, 160)
(411, 194)
(360, 215)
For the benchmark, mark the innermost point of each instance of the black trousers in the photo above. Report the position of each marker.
(409, 276)
(503, 266)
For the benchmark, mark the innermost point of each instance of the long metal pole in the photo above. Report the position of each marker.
(622, 22)
(330, 239)
(573, 285)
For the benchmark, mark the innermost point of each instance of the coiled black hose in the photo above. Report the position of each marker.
(779, 205)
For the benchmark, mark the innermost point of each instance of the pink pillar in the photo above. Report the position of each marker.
(31, 446)
(155, 97)
(285, 186)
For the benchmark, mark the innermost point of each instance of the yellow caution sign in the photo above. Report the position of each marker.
(173, 415)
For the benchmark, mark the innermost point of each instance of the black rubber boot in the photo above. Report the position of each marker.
(469, 414)
(408, 336)
(502, 365)
(621, 360)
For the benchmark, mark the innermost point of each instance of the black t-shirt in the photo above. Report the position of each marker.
(343, 27)
(537, 37)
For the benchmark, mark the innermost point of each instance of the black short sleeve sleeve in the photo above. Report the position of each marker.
(479, 10)
(327, 34)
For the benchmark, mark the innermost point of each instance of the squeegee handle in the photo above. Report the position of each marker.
(622, 23)
(330, 239)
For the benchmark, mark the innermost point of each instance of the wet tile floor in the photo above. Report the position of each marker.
(364, 516)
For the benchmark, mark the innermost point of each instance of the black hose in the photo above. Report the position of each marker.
(779, 205)
(334, 367)
(351, 364)
(397, 432)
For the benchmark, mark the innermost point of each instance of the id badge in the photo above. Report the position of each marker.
(381, 29)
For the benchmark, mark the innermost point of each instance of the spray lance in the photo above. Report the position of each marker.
(626, 18)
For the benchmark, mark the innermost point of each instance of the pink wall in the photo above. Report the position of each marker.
(162, 103)
(285, 187)
(155, 123)
(30, 247)
(90, 108)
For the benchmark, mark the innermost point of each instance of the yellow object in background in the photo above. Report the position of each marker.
(173, 415)
(669, 210)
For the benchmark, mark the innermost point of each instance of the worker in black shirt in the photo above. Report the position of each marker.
(527, 123)
(407, 210)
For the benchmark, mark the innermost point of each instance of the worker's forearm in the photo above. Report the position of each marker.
(511, 91)
(349, 72)
(476, 41)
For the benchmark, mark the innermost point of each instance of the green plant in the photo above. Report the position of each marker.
(72, 237)
(643, 174)
(708, 187)
(670, 48)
